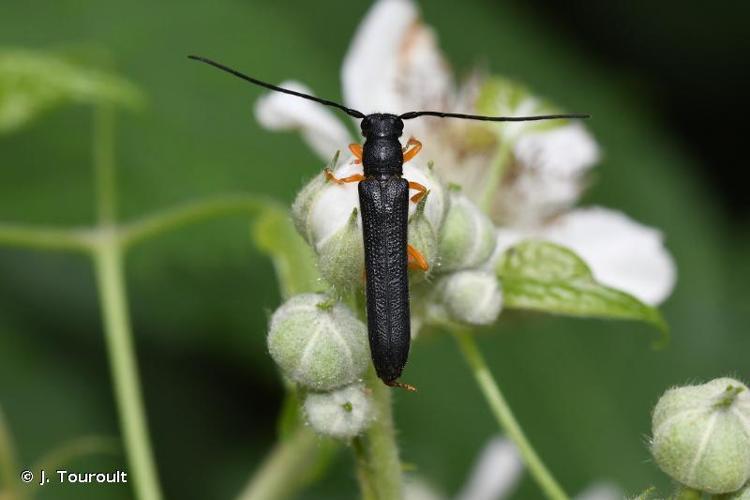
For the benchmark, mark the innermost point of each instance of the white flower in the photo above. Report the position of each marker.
(394, 65)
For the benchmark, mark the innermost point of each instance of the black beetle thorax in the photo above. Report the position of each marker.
(382, 156)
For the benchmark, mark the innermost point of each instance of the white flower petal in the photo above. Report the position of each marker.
(496, 472)
(322, 131)
(601, 491)
(393, 64)
(621, 252)
(568, 150)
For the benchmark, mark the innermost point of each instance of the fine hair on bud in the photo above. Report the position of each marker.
(318, 343)
(467, 238)
(701, 436)
(342, 413)
(469, 297)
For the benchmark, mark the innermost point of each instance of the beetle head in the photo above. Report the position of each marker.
(382, 125)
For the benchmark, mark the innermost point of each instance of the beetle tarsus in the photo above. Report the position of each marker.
(415, 259)
(400, 385)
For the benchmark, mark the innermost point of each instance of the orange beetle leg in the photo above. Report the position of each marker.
(413, 147)
(416, 259)
(343, 180)
(356, 150)
(422, 191)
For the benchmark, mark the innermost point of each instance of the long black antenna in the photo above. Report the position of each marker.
(440, 114)
(348, 111)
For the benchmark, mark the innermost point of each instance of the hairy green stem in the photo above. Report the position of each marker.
(366, 488)
(505, 418)
(124, 368)
(45, 238)
(383, 466)
(191, 212)
(279, 475)
(494, 177)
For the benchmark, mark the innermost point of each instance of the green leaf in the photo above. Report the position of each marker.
(293, 260)
(32, 82)
(542, 276)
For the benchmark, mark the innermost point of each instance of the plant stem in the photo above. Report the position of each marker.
(45, 238)
(118, 336)
(495, 176)
(366, 488)
(383, 466)
(505, 418)
(289, 460)
(193, 211)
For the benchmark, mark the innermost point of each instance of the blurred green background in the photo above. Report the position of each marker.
(200, 297)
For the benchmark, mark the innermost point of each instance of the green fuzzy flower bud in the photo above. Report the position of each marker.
(471, 297)
(701, 435)
(423, 237)
(742, 494)
(467, 238)
(343, 413)
(318, 343)
(342, 256)
(302, 206)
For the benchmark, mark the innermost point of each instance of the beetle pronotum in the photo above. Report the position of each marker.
(384, 203)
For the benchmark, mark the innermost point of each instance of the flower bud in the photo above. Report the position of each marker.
(302, 204)
(343, 413)
(472, 297)
(342, 257)
(701, 435)
(423, 237)
(741, 494)
(467, 238)
(437, 203)
(318, 343)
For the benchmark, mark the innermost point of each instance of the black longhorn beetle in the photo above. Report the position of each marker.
(384, 204)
